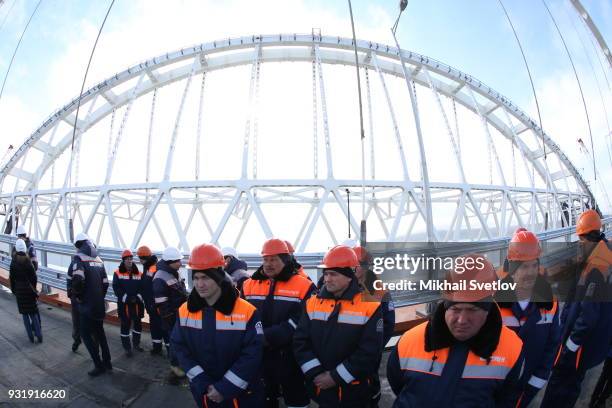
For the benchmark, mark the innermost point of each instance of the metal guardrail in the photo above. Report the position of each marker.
(50, 274)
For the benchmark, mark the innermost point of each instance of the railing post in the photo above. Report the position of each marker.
(46, 289)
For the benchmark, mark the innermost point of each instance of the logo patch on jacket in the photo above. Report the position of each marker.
(259, 328)
(379, 325)
(497, 359)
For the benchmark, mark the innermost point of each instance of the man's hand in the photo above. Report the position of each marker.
(214, 395)
(324, 381)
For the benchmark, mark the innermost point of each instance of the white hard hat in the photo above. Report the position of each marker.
(21, 230)
(350, 243)
(20, 246)
(171, 254)
(81, 236)
(229, 251)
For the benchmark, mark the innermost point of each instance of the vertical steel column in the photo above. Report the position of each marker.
(330, 170)
(417, 124)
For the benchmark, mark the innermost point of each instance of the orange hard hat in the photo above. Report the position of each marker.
(126, 253)
(362, 254)
(340, 256)
(588, 221)
(468, 269)
(144, 251)
(290, 247)
(206, 256)
(524, 246)
(274, 246)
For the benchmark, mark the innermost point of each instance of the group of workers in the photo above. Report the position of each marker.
(248, 340)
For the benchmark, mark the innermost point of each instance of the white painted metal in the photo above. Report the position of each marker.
(405, 201)
(431, 234)
(594, 30)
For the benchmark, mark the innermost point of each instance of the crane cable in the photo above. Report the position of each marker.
(76, 116)
(535, 96)
(6, 15)
(8, 70)
(363, 221)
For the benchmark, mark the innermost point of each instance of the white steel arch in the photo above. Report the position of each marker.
(481, 210)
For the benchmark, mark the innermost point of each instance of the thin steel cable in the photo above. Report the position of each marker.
(569, 56)
(8, 70)
(6, 15)
(76, 116)
(535, 96)
(601, 97)
(360, 115)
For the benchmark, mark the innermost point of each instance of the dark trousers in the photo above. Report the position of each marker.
(563, 387)
(76, 322)
(603, 389)
(31, 321)
(92, 333)
(130, 318)
(375, 386)
(283, 378)
(171, 355)
(155, 325)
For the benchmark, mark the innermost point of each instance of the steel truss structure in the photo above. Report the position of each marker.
(550, 198)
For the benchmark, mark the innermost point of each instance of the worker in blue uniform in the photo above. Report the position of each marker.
(89, 286)
(586, 318)
(218, 337)
(127, 285)
(463, 356)
(170, 293)
(530, 310)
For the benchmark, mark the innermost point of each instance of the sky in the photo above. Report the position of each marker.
(471, 35)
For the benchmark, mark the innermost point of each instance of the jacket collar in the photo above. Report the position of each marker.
(283, 276)
(123, 269)
(163, 266)
(483, 344)
(542, 294)
(235, 264)
(152, 260)
(88, 249)
(296, 264)
(225, 303)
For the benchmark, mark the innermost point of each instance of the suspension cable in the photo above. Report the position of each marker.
(601, 97)
(6, 15)
(569, 56)
(535, 96)
(8, 70)
(76, 116)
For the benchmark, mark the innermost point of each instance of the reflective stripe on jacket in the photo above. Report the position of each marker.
(455, 376)
(343, 336)
(221, 350)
